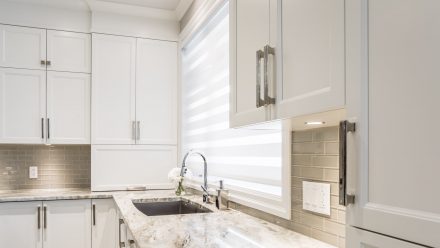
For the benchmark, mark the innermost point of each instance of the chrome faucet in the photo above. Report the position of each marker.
(206, 197)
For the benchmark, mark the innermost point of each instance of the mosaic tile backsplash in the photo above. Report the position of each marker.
(59, 166)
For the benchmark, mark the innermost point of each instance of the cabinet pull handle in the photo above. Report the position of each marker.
(121, 244)
(259, 56)
(138, 130)
(267, 51)
(39, 217)
(344, 128)
(133, 130)
(94, 214)
(48, 128)
(130, 243)
(42, 62)
(45, 217)
(48, 63)
(42, 128)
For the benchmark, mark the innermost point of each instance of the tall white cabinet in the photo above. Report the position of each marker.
(393, 97)
(44, 86)
(113, 100)
(134, 112)
(104, 224)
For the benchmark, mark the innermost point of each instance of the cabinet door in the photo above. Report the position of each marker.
(113, 89)
(393, 89)
(122, 167)
(312, 63)
(68, 51)
(156, 92)
(22, 106)
(22, 47)
(250, 26)
(67, 224)
(358, 238)
(21, 224)
(104, 224)
(68, 108)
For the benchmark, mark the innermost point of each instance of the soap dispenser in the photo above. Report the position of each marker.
(222, 199)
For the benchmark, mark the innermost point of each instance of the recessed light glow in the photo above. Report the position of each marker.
(314, 122)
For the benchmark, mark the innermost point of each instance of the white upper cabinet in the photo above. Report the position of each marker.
(22, 106)
(68, 51)
(393, 61)
(68, 108)
(250, 31)
(67, 224)
(21, 224)
(312, 58)
(156, 92)
(287, 59)
(22, 47)
(113, 89)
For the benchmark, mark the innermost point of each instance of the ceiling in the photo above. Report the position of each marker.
(165, 9)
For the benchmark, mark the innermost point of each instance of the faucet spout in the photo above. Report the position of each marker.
(205, 171)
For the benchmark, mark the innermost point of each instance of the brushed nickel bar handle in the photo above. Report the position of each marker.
(267, 51)
(133, 130)
(344, 128)
(259, 56)
(45, 217)
(138, 130)
(48, 128)
(94, 214)
(39, 217)
(42, 128)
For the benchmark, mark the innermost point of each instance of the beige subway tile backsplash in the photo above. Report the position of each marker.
(59, 166)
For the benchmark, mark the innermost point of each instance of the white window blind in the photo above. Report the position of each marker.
(248, 160)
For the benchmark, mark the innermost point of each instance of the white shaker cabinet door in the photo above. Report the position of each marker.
(156, 92)
(113, 89)
(68, 108)
(104, 224)
(121, 167)
(250, 31)
(393, 61)
(21, 224)
(22, 106)
(67, 224)
(68, 51)
(312, 62)
(22, 47)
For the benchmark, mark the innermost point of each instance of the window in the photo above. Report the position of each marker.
(249, 160)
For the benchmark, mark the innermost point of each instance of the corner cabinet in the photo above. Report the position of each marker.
(393, 61)
(287, 59)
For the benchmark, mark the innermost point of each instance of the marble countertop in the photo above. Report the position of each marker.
(226, 228)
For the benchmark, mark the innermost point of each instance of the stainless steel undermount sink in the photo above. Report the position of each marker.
(169, 207)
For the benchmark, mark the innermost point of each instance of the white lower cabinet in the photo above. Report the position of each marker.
(21, 224)
(61, 223)
(358, 238)
(67, 224)
(104, 224)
